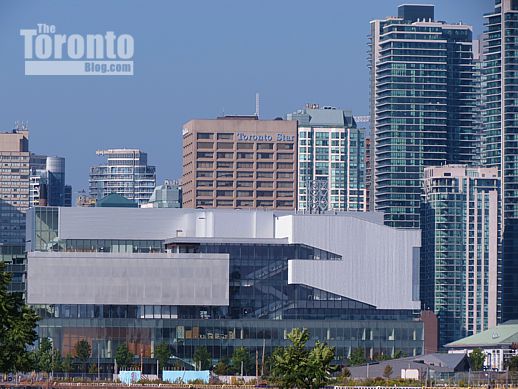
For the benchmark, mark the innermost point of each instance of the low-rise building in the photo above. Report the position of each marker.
(222, 279)
(499, 344)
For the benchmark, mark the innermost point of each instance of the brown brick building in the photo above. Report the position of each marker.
(239, 162)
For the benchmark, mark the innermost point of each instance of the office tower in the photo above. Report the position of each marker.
(239, 162)
(422, 99)
(460, 249)
(14, 202)
(47, 181)
(500, 77)
(167, 195)
(125, 172)
(331, 149)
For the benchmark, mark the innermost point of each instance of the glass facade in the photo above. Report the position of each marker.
(500, 116)
(460, 249)
(422, 101)
(263, 307)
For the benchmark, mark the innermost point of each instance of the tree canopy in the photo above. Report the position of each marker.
(512, 363)
(83, 351)
(476, 359)
(162, 353)
(44, 355)
(357, 357)
(242, 356)
(202, 358)
(17, 327)
(296, 366)
(123, 356)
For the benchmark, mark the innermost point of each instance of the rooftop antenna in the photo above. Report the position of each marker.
(257, 105)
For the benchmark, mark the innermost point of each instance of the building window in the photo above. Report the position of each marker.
(225, 145)
(245, 174)
(225, 136)
(225, 155)
(265, 146)
(245, 193)
(224, 174)
(225, 184)
(284, 146)
(205, 145)
(264, 193)
(224, 193)
(245, 155)
(245, 146)
(225, 165)
(204, 183)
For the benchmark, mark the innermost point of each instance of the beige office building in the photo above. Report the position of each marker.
(14, 185)
(239, 162)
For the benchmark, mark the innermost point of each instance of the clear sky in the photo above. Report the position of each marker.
(193, 59)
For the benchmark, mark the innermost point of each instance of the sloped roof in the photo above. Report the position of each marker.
(503, 334)
(451, 361)
(438, 362)
(116, 200)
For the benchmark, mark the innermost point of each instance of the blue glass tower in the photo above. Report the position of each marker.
(500, 146)
(422, 102)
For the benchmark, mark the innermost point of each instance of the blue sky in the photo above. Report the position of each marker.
(193, 59)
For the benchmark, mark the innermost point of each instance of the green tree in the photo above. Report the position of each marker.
(387, 372)
(512, 363)
(68, 364)
(83, 352)
(357, 357)
(241, 357)
(297, 367)
(202, 358)
(17, 327)
(345, 374)
(222, 367)
(44, 355)
(93, 368)
(162, 354)
(399, 354)
(476, 359)
(319, 370)
(123, 356)
(57, 361)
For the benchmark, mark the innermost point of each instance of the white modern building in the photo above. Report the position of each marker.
(222, 278)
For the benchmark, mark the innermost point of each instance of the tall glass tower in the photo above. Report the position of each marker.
(460, 249)
(422, 101)
(126, 173)
(500, 146)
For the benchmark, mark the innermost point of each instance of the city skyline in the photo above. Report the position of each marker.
(174, 82)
